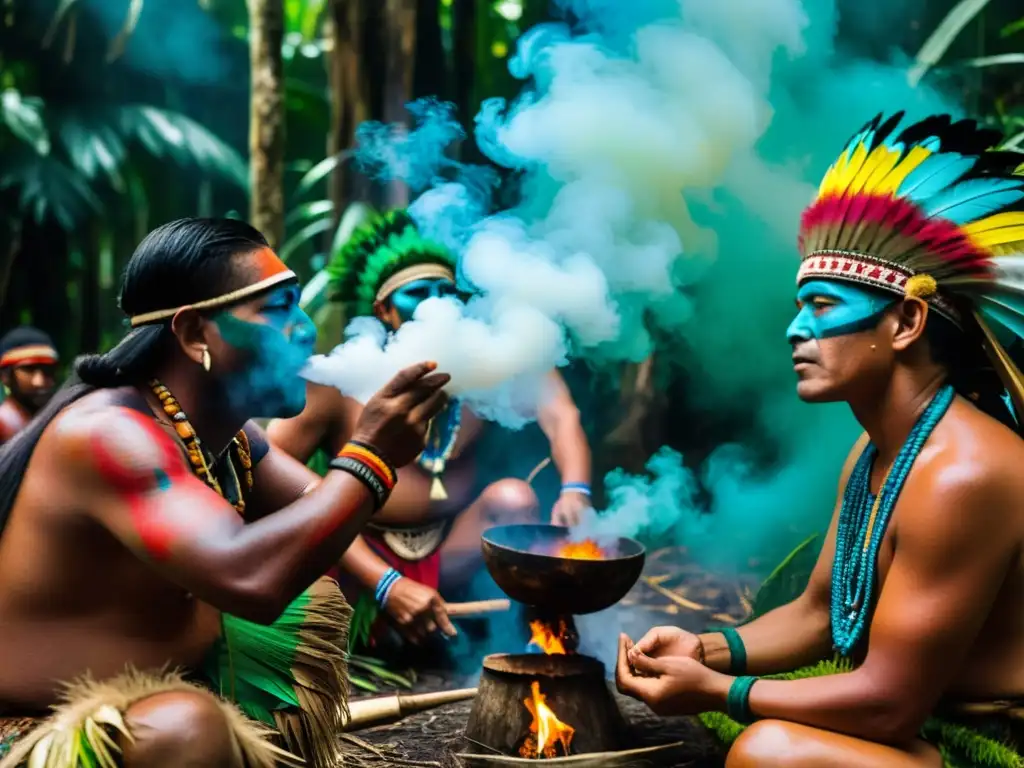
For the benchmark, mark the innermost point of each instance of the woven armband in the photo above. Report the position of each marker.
(366, 465)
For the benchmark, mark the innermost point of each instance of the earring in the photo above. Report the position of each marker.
(872, 346)
(207, 362)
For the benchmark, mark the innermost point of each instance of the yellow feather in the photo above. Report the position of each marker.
(828, 184)
(1002, 236)
(882, 171)
(891, 183)
(849, 173)
(879, 162)
(998, 221)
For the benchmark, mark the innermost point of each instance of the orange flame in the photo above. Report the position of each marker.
(546, 730)
(582, 550)
(545, 639)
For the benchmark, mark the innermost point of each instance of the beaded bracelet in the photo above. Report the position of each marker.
(583, 488)
(737, 702)
(737, 651)
(367, 466)
(387, 581)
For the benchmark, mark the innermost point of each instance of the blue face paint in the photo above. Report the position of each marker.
(275, 351)
(409, 296)
(830, 308)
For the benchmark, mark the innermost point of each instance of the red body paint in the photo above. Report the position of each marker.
(135, 483)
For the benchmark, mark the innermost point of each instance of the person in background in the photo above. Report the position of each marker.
(28, 370)
(428, 537)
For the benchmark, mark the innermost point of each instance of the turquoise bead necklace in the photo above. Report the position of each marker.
(863, 519)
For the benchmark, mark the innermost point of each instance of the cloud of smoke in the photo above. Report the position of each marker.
(665, 150)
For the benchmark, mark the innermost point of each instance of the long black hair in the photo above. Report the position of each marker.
(179, 263)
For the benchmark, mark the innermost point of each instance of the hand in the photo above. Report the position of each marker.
(662, 642)
(418, 610)
(569, 508)
(394, 421)
(671, 685)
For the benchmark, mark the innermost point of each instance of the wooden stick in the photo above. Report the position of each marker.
(478, 607)
(537, 470)
(677, 599)
(364, 713)
(591, 759)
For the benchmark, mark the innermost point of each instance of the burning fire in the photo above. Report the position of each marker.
(582, 550)
(547, 640)
(546, 730)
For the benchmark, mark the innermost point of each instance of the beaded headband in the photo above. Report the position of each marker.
(270, 271)
(36, 354)
(855, 267)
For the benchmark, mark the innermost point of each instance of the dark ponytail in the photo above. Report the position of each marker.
(179, 263)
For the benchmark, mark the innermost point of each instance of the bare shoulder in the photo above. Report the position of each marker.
(96, 437)
(969, 475)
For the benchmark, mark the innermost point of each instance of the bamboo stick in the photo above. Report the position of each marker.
(364, 713)
(478, 607)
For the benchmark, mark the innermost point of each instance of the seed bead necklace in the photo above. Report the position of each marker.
(197, 458)
(863, 519)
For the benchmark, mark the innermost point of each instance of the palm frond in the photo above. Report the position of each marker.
(173, 135)
(23, 116)
(48, 187)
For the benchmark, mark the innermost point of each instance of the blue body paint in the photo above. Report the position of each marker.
(276, 351)
(409, 296)
(830, 308)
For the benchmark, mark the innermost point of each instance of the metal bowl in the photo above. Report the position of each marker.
(519, 560)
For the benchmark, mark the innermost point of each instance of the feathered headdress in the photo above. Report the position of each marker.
(363, 270)
(934, 212)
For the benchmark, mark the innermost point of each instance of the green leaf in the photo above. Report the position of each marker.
(173, 135)
(1012, 28)
(992, 61)
(48, 187)
(93, 144)
(1015, 142)
(362, 682)
(118, 44)
(938, 42)
(302, 237)
(319, 172)
(23, 115)
(312, 210)
(789, 579)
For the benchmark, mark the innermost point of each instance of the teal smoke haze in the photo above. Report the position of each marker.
(666, 151)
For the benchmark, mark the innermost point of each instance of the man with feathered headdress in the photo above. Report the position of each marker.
(429, 533)
(907, 646)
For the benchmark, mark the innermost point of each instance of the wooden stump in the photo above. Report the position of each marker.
(574, 688)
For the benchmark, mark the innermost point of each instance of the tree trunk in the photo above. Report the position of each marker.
(400, 56)
(266, 119)
(349, 97)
